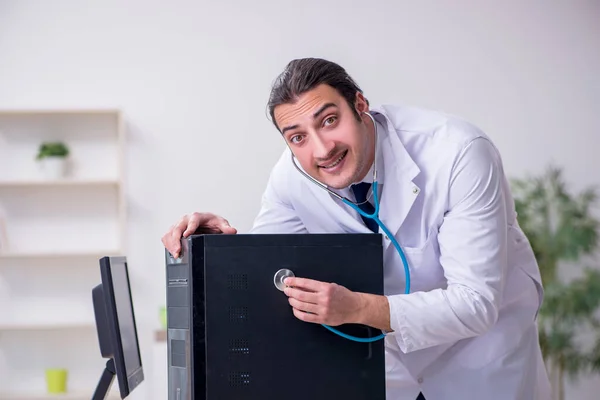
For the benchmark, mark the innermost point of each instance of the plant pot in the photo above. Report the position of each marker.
(53, 167)
(56, 380)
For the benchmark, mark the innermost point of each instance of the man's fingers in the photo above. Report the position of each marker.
(168, 240)
(178, 229)
(208, 223)
(189, 230)
(173, 250)
(304, 283)
(301, 295)
(174, 239)
(193, 223)
(189, 224)
(302, 306)
(225, 227)
(228, 229)
(306, 317)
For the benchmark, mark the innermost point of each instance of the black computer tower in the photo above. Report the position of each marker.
(232, 334)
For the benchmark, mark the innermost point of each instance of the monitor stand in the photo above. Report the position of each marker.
(106, 381)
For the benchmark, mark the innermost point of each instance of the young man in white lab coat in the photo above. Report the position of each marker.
(468, 328)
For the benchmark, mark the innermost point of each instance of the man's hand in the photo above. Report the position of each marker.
(333, 304)
(189, 224)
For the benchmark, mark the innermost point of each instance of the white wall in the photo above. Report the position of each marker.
(193, 78)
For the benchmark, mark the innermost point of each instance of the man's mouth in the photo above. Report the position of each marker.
(335, 162)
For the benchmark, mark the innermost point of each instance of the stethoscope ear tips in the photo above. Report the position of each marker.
(280, 277)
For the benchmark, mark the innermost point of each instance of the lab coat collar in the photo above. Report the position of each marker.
(399, 192)
(368, 178)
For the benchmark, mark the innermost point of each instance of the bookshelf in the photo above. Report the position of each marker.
(53, 230)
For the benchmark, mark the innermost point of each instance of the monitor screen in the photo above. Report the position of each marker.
(127, 329)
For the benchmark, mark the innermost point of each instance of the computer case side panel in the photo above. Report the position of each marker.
(258, 348)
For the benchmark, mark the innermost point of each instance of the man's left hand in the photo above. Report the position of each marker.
(324, 303)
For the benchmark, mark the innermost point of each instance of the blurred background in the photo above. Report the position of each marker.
(160, 108)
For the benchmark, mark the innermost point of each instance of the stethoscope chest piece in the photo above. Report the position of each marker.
(280, 277)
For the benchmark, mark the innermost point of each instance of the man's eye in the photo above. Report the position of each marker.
(330, 120)
(296, 138)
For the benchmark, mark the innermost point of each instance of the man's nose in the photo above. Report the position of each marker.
(322, 147)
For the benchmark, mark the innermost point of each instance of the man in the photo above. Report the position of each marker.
(467, 330)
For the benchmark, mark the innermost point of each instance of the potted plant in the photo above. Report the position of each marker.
(564, 232)
(53, 158)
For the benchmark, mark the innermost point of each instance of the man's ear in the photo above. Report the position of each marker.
(361, 103)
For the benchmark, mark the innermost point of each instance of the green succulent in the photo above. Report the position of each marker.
(52, 149)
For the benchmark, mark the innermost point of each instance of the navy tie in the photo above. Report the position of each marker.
(360, 191)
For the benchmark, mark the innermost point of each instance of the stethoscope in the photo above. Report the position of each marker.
(374, 216)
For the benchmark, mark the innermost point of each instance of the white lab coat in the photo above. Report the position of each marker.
(468, 328)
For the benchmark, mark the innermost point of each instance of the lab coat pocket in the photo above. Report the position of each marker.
(425, 243)
(424, 263)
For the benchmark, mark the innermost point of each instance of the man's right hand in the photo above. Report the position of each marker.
(207, 222)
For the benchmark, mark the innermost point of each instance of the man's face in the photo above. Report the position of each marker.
(323, 133)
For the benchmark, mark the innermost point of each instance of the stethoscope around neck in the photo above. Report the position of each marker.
(374, 216)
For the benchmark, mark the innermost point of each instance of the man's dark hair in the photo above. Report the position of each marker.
(302, 75)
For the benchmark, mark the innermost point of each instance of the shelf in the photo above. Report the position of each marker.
(59, 111)
(42, 396)
(74, 254)
(59, 183)
(45, 326)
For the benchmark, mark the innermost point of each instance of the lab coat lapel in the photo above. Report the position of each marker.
(399, 192)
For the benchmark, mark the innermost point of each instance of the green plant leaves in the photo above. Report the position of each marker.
(561, 227)
(52, 149)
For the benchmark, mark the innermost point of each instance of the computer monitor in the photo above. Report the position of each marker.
(117, 332)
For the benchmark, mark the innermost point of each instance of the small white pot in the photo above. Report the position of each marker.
(54, 167)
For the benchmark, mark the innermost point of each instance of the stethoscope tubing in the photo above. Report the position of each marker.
(374, 216)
